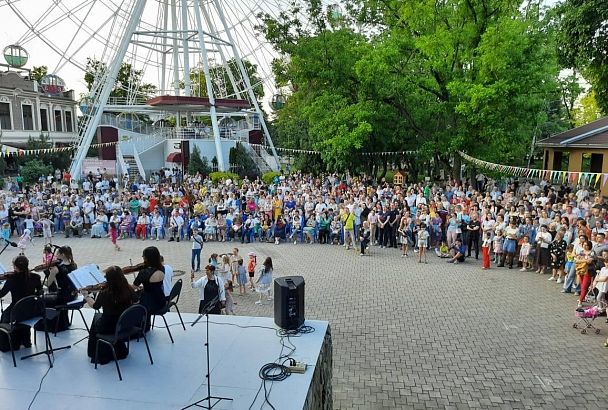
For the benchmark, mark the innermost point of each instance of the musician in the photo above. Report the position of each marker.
(150, 279)
(20, 284)
(61, 288)
(114, 299)
(211, 286)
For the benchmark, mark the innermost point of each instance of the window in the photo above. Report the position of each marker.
(44, 120)
(68, 121)
(28, 117)
(58, 123)
(561, 160)
(5, 116)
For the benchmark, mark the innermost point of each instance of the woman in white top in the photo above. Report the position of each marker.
(544, 240)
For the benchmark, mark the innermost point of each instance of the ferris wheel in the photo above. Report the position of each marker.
(165, 41)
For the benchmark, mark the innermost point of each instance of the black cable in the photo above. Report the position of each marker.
(39, 388)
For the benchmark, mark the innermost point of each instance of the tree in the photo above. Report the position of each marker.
(583, 41)
(242, 162)
(38, 72)
(197, 164)
(56, 160)
(436, 77)
(34, 169)
(587, 110)
(129, 81)
(222, 86)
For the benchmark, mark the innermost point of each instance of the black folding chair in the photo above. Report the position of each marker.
(172, 301)
(131, 322)
(25, 312)
(71, 307)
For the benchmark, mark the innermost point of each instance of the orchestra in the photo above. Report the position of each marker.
(109, 298)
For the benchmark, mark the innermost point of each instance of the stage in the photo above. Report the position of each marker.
(177, 377)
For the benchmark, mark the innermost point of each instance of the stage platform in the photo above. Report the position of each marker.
(177, 377)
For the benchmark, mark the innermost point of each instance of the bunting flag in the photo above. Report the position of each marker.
(575, 178)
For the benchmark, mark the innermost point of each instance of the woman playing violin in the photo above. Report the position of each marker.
(20, 284)
(61, 288)
(151, 279)
(114, 299)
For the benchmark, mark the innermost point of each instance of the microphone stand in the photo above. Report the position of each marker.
(209, 398)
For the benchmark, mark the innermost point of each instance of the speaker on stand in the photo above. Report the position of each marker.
(289, 302)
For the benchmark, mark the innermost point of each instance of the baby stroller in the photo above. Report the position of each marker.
(586, 316)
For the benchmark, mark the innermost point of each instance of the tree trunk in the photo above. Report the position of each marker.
(457, 166)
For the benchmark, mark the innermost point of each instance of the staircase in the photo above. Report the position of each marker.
(255, 156)
(133, 170)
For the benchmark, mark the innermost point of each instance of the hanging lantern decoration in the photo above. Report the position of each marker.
(278, 101)
(16, 56)
(52, 84)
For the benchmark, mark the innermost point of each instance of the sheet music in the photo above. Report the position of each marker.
(87, 275)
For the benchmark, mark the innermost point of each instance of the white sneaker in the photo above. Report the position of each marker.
(258, 302)
(559, 281)
(551, 278)
(522, 270)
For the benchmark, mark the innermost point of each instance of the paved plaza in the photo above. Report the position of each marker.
(409, 335)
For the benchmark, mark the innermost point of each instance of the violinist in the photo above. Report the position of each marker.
(151, 279)
(20, 284)
(114, 299)
(61, 288)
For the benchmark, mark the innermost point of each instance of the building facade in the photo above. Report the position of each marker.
(27, 111)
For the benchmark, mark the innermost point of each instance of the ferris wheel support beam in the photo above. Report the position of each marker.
(110, 80)
(245, 77)
(175, 51)
(163, 69)
(205, 58)
(223, 57)
(185, 35)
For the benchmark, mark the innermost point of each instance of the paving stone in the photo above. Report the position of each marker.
(407, 335)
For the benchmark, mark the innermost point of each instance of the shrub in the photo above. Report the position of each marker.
(33, 169)
(270, 176)
(218, 176)
(389, 177)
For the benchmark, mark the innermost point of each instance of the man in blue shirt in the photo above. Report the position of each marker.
(457, 252)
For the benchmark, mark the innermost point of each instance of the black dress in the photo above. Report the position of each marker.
(153, 296)
(19, 286)
(557, 249)
(60, 293)
(105, 323)
(210, 292)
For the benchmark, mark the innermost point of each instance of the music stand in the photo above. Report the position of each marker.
(209, 397)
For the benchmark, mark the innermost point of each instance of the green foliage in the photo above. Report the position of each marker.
(128, 78)
(198, 164)
(222, 176)
(2, 166)
(2, 182)
(389, 177)
(268, 177)
(436, 77)
(583, 41)
(38, 72)
(242, 162)
(587, 110)
(33, 169)
(55, 160)
(222, 86)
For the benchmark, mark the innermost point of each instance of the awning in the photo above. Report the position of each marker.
(175, 157)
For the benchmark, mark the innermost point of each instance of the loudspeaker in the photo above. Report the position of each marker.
(289, 302)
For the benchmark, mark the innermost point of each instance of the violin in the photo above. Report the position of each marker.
(134, 268)
(5, 275)
(44, 266)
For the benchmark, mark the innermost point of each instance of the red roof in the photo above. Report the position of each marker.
(175, 157)
(173, 100)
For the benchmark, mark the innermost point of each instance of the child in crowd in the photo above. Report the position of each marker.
(498, 242)
(336, 228)
(486, 245)
(213, 260)
(224, 270)
(264, 282)
(234, 264)
(423, 242)
(569, 258)
(444, 250)
(6, 230)
(197, 247)
(47, 255)
(242, 277)
(251, 269)
(114, 235)
(24, 241)
(229, 309)
(524, 252)
(46, 229)
(364, 236)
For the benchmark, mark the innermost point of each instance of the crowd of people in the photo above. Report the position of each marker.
(532, 226)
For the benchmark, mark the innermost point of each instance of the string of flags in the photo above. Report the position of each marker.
(313, 152)
(576, 178)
